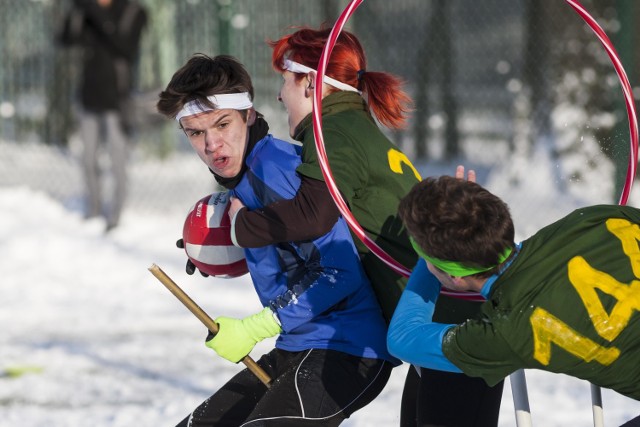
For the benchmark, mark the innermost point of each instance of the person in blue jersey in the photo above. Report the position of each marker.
(315, 294)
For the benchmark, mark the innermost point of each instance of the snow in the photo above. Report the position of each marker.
(90, 337)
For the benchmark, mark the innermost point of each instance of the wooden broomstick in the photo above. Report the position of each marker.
(204, 318)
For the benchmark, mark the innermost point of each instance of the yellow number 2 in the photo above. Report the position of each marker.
(397, 159)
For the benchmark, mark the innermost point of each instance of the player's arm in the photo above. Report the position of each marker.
(309, 214)
(413, 336)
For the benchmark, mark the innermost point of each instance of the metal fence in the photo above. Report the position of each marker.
(482, 74)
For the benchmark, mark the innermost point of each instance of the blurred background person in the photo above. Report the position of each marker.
(109, 32)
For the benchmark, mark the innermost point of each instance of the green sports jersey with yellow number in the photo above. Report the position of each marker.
(372, 175)
(569, 303)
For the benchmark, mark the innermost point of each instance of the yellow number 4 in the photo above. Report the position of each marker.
(587, 280)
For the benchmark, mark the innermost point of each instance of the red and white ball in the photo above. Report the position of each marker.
(207, 238)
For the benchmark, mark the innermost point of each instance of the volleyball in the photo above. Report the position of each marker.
(207, 238)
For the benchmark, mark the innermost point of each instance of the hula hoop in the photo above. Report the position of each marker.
(328, 175)
(626, 91)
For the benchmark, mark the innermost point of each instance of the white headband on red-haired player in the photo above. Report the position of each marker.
(296, 67)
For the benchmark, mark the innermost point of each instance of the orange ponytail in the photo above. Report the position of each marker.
(385, 97)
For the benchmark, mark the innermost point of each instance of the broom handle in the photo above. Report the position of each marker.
(204, 318)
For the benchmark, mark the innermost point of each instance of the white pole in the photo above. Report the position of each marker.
(520, 398)
(596, 406)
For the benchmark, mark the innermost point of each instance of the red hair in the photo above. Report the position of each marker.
(385, 97)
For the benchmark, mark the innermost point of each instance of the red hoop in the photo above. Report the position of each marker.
(333, 188)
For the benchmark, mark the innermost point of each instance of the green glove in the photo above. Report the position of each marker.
(237, 337)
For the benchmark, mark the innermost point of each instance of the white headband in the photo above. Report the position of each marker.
(295, 67)
(232, 101)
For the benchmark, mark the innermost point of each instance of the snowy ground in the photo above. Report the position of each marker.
(92, 338)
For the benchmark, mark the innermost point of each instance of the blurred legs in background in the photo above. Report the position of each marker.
(95, 129)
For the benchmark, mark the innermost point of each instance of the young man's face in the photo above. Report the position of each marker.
(459, 284)
(445, 279)
(220, 138)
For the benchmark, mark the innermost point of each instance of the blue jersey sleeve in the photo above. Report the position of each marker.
(413, 336)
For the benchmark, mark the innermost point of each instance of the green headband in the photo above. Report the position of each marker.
(453, 268)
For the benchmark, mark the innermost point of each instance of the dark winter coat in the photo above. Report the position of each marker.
(110, 38)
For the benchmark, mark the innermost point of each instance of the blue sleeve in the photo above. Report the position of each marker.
(413, 336)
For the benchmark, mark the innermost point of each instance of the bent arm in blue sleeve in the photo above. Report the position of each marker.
(413, 336)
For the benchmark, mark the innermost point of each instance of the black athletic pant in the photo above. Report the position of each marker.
(309, 388)
(632, 423)
(447, 399)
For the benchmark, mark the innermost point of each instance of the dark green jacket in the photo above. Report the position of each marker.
(372, 175)
(569, 303)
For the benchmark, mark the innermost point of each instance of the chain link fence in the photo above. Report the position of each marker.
(488, 74)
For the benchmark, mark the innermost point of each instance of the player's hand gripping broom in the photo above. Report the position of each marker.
(204, 318)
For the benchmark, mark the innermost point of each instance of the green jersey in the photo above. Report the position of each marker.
(372, 175)
(569, 303)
